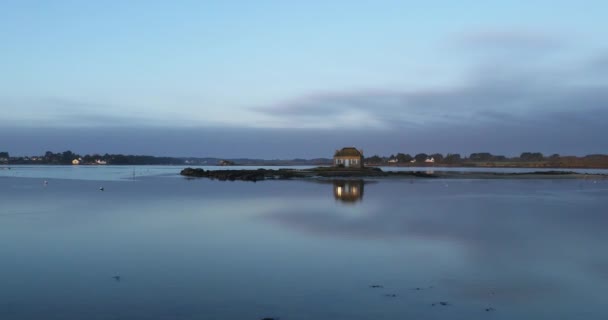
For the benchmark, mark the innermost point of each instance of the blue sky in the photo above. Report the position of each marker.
(281, 79)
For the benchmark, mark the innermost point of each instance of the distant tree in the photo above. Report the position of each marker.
(421, 157)
(531, 156)
(404, 157)
(481, 156)
(374, 159)
(554, 156)
(52, 158)
(452, 158)
(89, 158)
(68, 156)
(438, 157)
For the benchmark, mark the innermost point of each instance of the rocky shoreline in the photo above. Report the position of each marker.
(373, 173)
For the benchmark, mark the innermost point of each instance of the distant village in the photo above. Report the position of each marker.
(345, 157)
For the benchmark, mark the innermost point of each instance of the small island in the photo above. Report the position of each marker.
(373, 173)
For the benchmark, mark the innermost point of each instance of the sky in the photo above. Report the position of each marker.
(286, 79)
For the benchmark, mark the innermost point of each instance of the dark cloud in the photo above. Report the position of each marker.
(503, 117)
(548, 134)
(523, 101)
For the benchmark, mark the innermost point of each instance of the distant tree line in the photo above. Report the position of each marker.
(532, 159)
(479, 159)
(66, 157)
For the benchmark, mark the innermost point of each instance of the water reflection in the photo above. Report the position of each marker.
(531, 249)
(349, 191)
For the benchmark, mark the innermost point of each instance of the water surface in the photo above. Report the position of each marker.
(201, 249)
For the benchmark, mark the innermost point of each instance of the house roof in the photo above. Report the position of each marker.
(348, 152)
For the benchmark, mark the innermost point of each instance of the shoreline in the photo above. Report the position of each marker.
(324, 173)
(437, 167)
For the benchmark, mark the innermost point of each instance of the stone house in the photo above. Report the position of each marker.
(348, 157)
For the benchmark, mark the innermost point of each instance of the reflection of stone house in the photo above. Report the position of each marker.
(349, 158)
(348, 190)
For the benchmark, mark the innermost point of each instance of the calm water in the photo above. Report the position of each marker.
(201, 249)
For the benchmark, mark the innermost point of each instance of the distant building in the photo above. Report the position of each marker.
(348, 157)
(430, 160)
(100, 162)
(226, 163)
(393, 160)
(75, 162)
